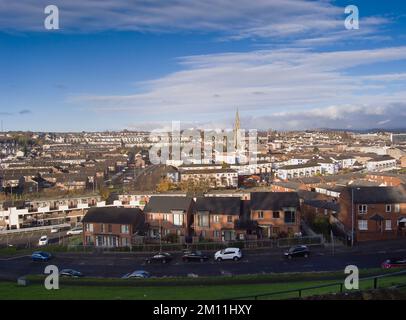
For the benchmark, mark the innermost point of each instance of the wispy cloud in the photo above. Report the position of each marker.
(263, 82)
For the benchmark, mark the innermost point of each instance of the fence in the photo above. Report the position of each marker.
(339, 286)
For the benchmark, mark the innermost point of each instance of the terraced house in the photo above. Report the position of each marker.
(167, 215)
(276, 213)
(216, 218)
(377, 213)
(113, 227)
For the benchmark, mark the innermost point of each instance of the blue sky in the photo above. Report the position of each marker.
(285, 64)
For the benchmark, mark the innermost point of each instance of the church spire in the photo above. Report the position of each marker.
(236, 130)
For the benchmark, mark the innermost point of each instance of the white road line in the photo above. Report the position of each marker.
(14, 258)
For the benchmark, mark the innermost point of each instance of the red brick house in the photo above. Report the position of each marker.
(377, 213)
(215, 218)
(167, 215)
(113, 227)
(275, 213)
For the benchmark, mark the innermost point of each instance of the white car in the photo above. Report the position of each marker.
(75, 231)
(54, 230)
(228, 254)
(43, 241)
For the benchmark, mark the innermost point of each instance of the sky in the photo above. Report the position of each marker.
(138, 65)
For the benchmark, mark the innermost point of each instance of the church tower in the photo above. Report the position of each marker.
(236, 131)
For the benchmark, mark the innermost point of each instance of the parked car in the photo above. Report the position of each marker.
(394, 263)
(228, 254)
(70, 273)
(75, 231)
(41, 256)
(297, 251)
(139, 274)
(43, 241)
(194, 256)
(54, 230)
(161, 257)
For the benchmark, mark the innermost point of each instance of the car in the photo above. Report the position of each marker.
(194, 256)
(139, 274)
(228, 254)
(43, 241)
(70, 273)
(54, 230)
(161, 257)
(297, 251)
(41, 256)
(75, 231)
(394, 263)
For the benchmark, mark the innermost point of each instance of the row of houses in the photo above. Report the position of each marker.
(264, 215)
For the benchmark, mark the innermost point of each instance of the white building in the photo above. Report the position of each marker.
(383, 163)
(298, 171)
(217, 178)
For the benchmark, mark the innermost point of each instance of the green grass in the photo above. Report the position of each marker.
(163, 292)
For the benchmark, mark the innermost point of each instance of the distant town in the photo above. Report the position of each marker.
(351, 185)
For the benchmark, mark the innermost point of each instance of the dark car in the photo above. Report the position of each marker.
(394, 263)
(70, 273)
(41, 256)
(297, 251)
(161, 257)
(194, 256)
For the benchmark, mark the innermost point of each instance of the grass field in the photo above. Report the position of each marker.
(194, 292)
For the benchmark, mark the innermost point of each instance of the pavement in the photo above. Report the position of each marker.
(115, 265)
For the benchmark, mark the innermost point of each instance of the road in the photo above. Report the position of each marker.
(254, 262)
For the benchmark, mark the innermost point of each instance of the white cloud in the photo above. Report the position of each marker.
(266, 81)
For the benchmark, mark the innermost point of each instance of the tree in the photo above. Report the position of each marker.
(104, 193)
(164, 185)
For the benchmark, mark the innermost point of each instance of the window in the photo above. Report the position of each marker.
(388, 208)
(125, 228)
(89, 227)
(290, 216)
(109, 228)
(363, 225)
(229, 219)
(276, 230)
(276, 215)
(102, 228)
(178, 219)
(203, 220)
(388, 224)
(397, 207)
(166, 217)
(216, 219)
(362, 208)
(217, 234)
(260, 214)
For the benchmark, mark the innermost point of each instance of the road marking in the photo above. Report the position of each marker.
(14, 258)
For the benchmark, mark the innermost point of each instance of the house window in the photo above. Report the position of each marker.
(290, 216)
(125, 228)
(388, 224)
(260, 214)
(276, 215)
(178, 219)
(229, 219)
(362, 208)
(388, 208)
(397, 207)
(102, 228)
(363, 225)
(217, 234)
(166, 217)
(216, 218)
(89, 227)
(110, 228)
(203, 220)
